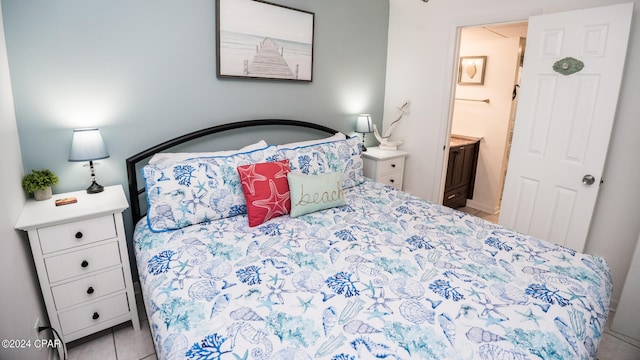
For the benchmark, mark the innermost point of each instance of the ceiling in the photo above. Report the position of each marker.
(503, 30)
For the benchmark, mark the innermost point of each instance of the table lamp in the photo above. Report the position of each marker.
(87, 145)
(364, 125)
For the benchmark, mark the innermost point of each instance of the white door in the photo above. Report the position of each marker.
(564, 122)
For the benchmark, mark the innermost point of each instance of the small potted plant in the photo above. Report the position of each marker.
(39, 182)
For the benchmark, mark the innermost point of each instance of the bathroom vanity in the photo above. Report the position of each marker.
(461, 170)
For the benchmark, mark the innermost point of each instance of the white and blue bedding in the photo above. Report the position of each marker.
(387, 276)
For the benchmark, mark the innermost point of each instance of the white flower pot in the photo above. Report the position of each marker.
(43, 194)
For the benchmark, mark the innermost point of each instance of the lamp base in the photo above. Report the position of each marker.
(387, 147)
(364, 148)
(95, 188)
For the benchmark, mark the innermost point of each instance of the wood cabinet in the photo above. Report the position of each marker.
(82, 261)
(461, 171)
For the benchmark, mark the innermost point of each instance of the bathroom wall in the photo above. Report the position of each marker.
(489, 121)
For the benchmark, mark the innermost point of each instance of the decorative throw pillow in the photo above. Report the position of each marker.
(197, 190)
(310, 193)
(343, 157)
(266, 190)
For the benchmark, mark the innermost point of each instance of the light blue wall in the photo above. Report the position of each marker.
(144, 71)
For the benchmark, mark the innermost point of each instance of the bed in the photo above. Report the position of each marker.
(370, 272)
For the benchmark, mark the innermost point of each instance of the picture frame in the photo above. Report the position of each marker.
(471, 70)
(256, 39)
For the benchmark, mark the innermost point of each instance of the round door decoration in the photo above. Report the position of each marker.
(568, 66)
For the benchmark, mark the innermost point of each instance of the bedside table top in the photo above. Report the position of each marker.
(377, 154)
(36, 214)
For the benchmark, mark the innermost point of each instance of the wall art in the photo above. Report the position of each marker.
(471, 70)
(260, 40)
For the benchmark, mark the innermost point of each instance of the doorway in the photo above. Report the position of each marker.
(484, 107)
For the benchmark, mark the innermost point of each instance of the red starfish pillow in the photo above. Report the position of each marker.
(266, 190)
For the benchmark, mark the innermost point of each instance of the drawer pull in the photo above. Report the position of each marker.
(90, 290)
(393, 165)
(451, 197)
(95, 316)
(84, 263)
(391, 181)
(79, 235)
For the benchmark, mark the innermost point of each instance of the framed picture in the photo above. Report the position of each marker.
(471, 71)
(260, 40)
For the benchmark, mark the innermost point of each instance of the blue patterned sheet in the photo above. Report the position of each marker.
(387, 276)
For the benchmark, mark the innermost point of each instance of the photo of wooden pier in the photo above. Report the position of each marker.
(260, 40)
(269, 62)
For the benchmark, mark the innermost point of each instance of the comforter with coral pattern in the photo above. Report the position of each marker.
(387, 276)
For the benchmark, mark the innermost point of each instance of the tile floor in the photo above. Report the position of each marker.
(617, 346)
(481, 214)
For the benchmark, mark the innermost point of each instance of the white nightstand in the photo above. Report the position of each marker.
(81, 257)
(385, 166)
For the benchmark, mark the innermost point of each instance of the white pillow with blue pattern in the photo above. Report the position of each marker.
(168, 158)
(197, 190)
(342, 156)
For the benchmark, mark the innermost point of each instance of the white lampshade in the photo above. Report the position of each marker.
(364, 124)
(87, 145)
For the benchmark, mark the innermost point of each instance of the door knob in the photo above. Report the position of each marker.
(588, 179)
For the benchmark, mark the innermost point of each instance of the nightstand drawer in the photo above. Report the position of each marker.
(93, 314)
(392, 179)
(65, 236)
(88, 288)
(390, 165)
(82, 262)
(384, 166)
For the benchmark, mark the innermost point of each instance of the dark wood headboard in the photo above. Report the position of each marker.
(135, 190)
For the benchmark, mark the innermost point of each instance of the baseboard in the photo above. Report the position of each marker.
(482, 207)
